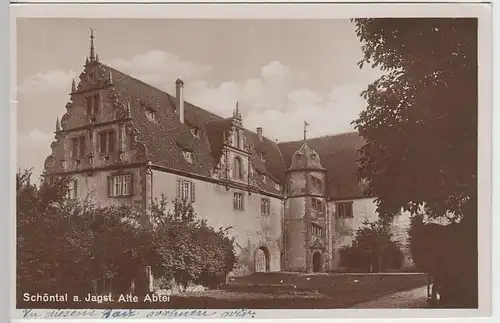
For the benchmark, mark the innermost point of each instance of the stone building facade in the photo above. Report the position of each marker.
(291, 205)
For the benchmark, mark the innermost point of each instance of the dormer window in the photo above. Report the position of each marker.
(187, 156)
(150, 114)
(264, 178)
(92, 105)
(261, 157)
(195, 132)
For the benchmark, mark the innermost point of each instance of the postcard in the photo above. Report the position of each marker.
(251, 161)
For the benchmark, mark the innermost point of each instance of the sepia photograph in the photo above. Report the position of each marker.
(242, 164)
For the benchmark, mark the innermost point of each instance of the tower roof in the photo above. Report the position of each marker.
(306, 158)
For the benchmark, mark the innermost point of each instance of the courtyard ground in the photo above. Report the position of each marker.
(413, 298)
(296, 291)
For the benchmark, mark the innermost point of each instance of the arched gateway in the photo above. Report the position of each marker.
(262, 259)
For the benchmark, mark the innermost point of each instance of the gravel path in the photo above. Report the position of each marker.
(413, 298)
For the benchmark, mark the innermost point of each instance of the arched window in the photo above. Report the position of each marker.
(238, 169)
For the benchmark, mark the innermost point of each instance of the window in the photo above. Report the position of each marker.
(238, 201)
(151, 114)
(92, 103)
(196, 132)
(261, 156)
(265, 206)
(344, 209)
(264, 178)
(317, 205)
(73, 190)
(78, 146)
(317, 230)
(120, 185)
(107, 141)
(187, 156)
(316, 182)
(238, 169)
(185, 190)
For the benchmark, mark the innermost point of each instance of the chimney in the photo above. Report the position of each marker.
(179, 99)
(259, 132)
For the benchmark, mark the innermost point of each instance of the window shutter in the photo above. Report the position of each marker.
(131, 188)
(193, 197)
(110, 190)
(178, 188)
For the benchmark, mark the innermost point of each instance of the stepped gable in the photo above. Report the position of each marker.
(165, 137)
(338, 154)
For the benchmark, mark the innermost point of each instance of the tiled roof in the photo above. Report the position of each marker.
(338, 154)
(165, 138)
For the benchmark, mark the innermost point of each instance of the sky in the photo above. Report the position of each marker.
(282, 72)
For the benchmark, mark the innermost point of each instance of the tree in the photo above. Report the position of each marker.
(420, 125)
(186, 248)
(66, 244)
(373, 249)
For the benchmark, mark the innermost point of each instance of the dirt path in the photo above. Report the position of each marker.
(413, 298)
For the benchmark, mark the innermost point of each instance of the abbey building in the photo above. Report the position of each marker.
(292, 205)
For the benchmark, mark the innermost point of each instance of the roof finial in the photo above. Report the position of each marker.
(58, 125)
(73, 86)
(92, 50)
(237, 113)
(305, 129)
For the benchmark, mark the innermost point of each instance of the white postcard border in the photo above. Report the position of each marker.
(298, 11)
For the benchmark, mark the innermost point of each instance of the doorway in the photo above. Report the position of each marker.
(262, 260)
(316, 262)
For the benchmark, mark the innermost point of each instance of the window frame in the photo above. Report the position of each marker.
(265, 206)
(344, 209)
(186, 190)
(110, 136)
(317, 230)
(238, 201)
(238, 175)
(78, 146)
(125, 188)
(92, 103)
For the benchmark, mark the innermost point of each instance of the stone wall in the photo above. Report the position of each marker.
(344, 229)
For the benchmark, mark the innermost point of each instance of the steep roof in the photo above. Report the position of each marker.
(165, 139)
(338, 154)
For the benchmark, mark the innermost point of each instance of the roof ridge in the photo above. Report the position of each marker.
(320, 137)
